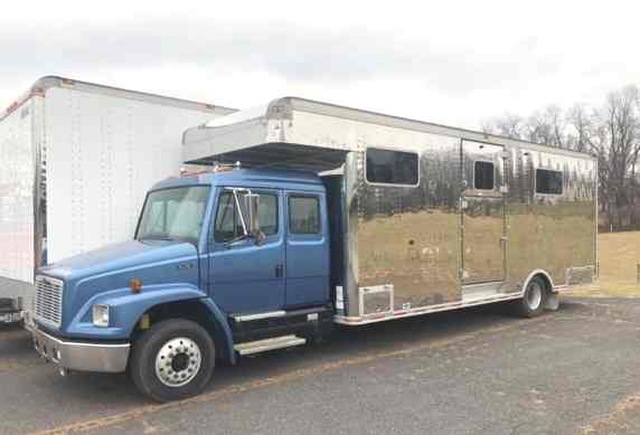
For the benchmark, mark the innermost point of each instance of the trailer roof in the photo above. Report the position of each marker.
(251, 137)
(47, 82)
(345, 112)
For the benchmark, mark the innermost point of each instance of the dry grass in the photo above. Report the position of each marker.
(619, 255)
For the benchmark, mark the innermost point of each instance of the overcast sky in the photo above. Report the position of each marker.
(453, 62)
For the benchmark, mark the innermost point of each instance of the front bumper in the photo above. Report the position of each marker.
(81, 356)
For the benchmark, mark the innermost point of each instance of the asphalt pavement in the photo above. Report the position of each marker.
(479, 370)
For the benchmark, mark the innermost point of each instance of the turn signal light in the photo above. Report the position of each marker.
(135, 285)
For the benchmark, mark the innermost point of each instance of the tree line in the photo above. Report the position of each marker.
(609, 131)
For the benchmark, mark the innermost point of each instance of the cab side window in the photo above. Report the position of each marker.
(268, 214)
(228, 224)
(304, 214)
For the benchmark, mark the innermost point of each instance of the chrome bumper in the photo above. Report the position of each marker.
(88, 357)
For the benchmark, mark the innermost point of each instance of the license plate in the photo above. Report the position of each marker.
(9, 317)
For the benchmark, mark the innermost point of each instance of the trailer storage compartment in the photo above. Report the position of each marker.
(77, 160)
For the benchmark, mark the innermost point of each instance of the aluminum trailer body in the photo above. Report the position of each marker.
(425, 217)
(77, 159)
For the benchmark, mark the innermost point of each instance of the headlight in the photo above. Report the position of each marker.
(101, 315)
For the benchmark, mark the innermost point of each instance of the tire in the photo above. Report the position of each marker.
(533, 300)
(172, 360)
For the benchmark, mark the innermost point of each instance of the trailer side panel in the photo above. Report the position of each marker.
(103, 152)
(551, 229)
(16, 194)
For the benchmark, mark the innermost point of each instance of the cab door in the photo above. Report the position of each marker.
(307, 249)
(483, 213)
(245, 276)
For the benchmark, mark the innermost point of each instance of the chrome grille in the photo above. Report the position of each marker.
(48, 308)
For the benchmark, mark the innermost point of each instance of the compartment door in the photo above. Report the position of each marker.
(483, 213)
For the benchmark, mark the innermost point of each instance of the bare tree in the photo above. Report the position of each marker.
(580, 128)
(547, 127)
(611, 133)
(508, 125)
(620, 117)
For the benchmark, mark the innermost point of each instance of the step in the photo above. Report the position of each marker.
(258, 346)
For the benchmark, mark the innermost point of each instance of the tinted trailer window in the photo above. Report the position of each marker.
(392, 167)
(548, 182)
(483, 175)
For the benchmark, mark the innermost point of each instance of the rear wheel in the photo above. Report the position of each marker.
(174, 359)
(533, 300)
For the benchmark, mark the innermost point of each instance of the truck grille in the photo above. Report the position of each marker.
(48, 308)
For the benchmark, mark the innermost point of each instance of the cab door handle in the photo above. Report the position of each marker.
(279, 269)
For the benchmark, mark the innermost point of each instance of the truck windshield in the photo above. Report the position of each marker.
(174, 214)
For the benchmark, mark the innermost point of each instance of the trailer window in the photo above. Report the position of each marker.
(483, 175)
(548, 182)
(228, 225)
(391, 167)
(304, 214)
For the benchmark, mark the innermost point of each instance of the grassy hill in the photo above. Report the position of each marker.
(619, 255)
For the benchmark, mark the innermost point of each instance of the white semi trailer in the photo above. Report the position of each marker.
(76, 160)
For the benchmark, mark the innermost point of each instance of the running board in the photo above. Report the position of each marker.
(258, 346)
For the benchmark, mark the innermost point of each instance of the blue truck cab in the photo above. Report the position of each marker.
(224, 263)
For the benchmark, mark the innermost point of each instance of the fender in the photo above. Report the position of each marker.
(126, 308)
(538, 272)
(220, 319)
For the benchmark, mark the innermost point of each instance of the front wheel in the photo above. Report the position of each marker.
(533, 300)
(173, 360)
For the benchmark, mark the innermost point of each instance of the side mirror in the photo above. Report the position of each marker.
(251, 202)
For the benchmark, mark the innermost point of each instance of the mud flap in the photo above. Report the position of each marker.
(552, 301)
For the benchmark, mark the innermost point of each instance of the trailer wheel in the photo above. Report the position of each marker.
(173, 360)
(533, 300)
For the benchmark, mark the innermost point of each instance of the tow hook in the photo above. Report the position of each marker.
(63, 372)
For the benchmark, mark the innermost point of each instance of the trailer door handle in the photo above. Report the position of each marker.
(279, 270)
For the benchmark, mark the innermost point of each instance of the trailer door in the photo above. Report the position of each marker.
(483, 213)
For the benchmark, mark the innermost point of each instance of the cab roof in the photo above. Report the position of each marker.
(263, 178)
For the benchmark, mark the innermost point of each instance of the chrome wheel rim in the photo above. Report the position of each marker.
(178, 361)
(534, 296)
